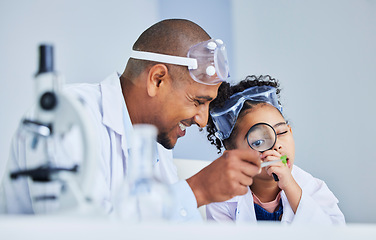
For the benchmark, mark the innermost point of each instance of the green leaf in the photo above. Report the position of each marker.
(284, 159)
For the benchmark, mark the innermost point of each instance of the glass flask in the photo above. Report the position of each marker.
(142, 197)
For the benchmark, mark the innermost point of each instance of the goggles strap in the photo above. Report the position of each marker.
(191, 63)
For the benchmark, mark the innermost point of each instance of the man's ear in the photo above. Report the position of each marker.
(157, 77)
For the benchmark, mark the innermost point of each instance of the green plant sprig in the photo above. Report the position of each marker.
(284, 159)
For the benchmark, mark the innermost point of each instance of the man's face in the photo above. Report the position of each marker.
(183, 104)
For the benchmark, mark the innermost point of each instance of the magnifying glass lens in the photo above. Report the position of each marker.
(261, 137)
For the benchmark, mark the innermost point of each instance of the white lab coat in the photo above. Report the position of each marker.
(318, 205)
(108, 111)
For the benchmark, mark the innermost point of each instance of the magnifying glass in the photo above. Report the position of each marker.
(262, 137)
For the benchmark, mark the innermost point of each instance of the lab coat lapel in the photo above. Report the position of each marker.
(288, 213)
(113, 117)
(245, 211)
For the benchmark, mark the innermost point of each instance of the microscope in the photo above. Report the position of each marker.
(57, 114)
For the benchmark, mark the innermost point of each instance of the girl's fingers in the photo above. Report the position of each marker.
(278, 168)
(270, 158)
(270, 153)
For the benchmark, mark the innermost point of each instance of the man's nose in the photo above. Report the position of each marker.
(201, 118)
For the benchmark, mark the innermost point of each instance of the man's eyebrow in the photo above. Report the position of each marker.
(208, 98)
(279, 124)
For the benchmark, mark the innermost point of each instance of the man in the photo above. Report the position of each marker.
(161, 86)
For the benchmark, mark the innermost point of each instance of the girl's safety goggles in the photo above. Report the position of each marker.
(206, 61)
(225, 117)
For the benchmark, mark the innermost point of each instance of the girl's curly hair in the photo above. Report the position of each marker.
(225, 91)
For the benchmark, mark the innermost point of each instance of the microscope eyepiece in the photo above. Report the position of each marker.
(46, 59)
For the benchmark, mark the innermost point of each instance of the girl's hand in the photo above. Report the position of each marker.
(286, 181)
(283, 171)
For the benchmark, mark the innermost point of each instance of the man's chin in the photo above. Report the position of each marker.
(165, 141)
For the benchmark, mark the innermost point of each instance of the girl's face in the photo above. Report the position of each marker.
(267, 114)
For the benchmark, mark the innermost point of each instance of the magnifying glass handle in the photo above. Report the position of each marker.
(275, 177)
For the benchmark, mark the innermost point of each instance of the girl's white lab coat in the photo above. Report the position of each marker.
(318, 205)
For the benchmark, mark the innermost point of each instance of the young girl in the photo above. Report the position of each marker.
(291, 195)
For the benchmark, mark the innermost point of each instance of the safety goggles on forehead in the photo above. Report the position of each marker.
(206, 61)
(225, 117)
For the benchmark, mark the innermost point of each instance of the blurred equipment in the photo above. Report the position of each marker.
(59, 182)
(143, 198)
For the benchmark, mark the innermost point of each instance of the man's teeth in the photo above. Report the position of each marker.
(182, 126)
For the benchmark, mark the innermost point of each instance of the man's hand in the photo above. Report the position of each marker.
(226, 177)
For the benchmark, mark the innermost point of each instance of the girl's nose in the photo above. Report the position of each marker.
(277, 147)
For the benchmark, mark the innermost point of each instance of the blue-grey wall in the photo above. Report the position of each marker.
(324, 54)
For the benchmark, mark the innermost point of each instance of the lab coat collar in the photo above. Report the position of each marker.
(245, 211)
(113, 104)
